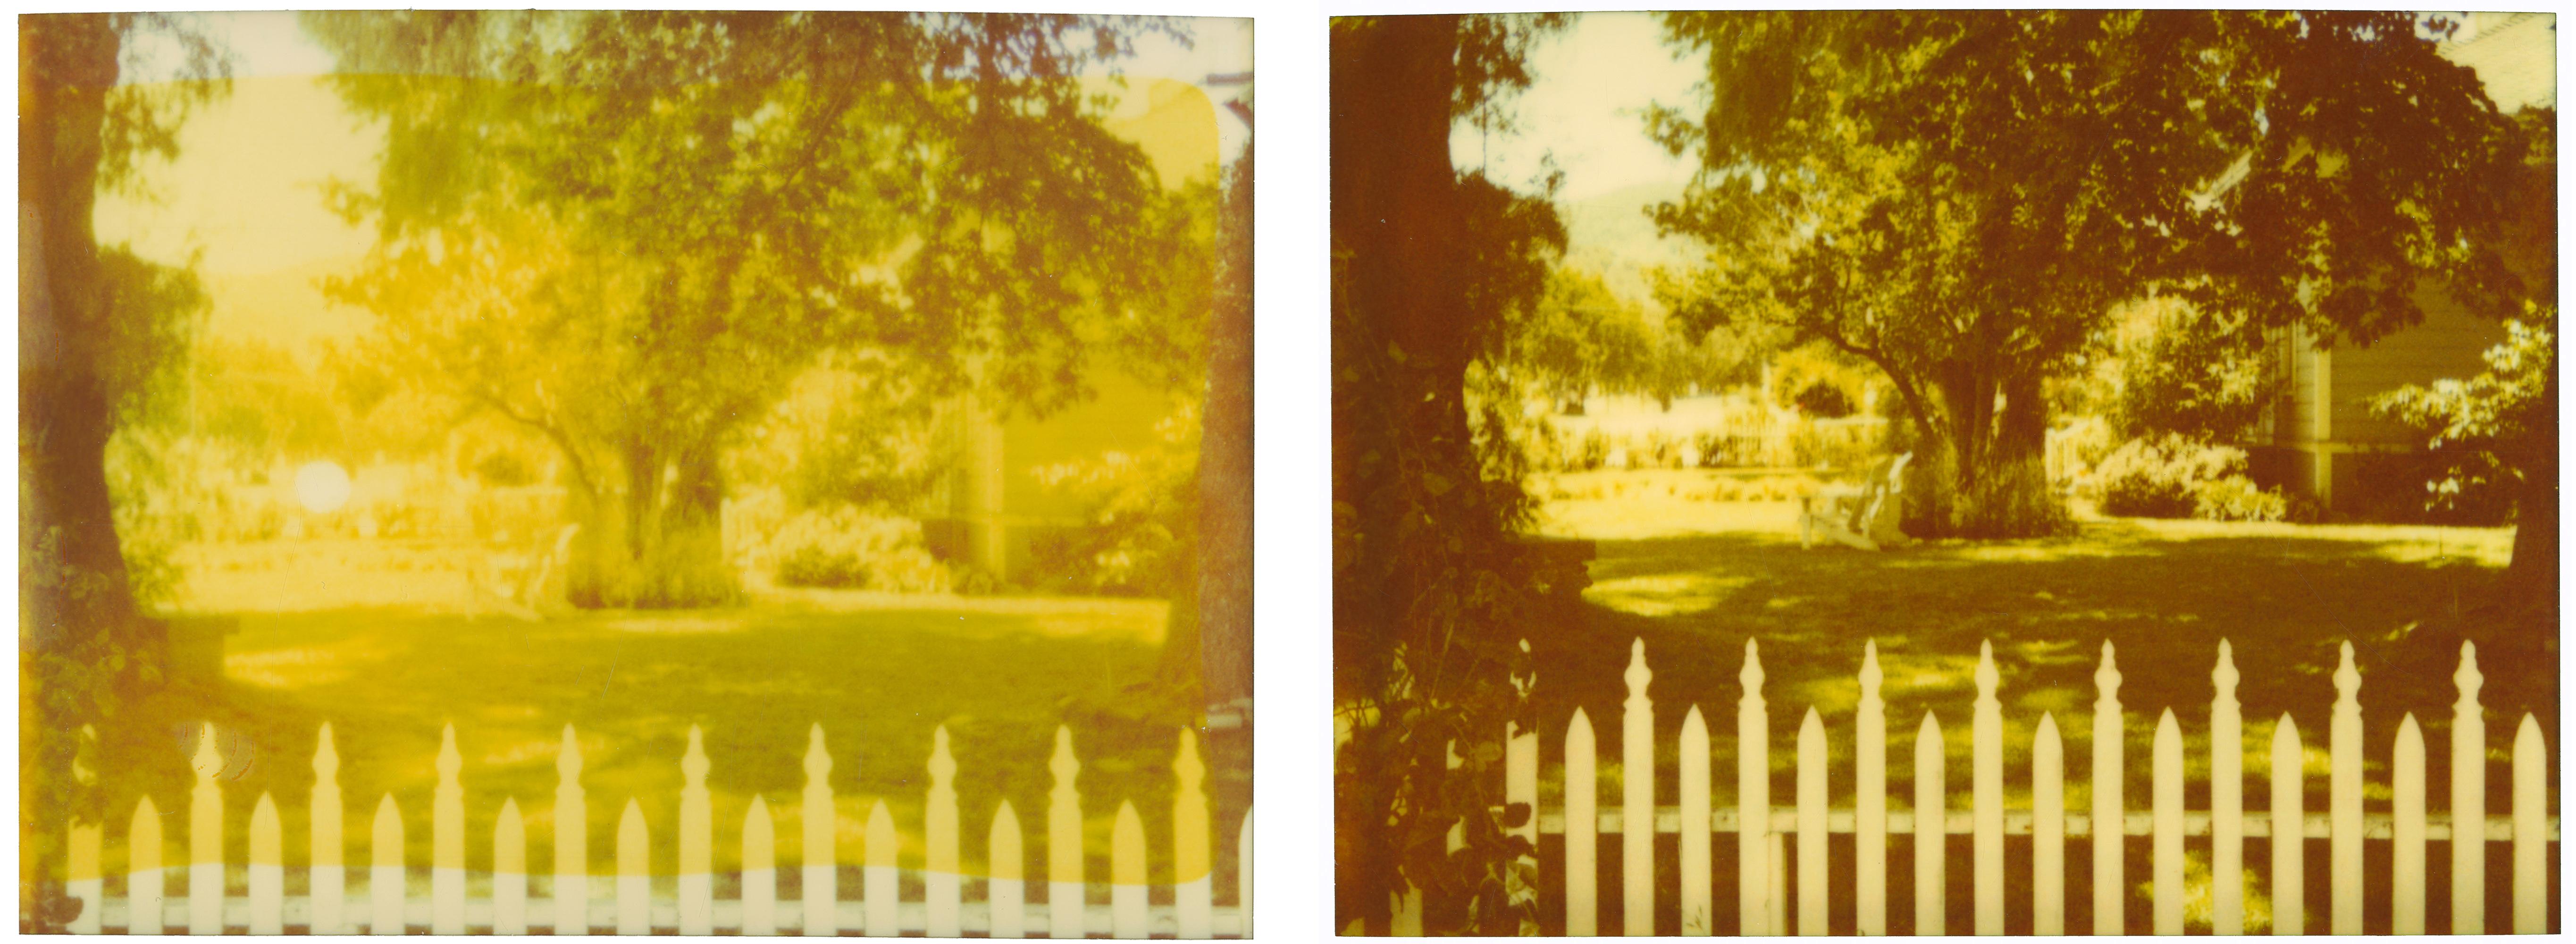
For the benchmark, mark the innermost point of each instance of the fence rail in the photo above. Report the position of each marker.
(388, 907)
(1763, 879)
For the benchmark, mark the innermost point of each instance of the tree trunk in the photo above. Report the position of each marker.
(1982, 470)
(1224, 578)
(659, 542)
(76, 609)
(2528, 591)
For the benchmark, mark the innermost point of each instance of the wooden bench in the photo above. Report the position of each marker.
(1863, 516)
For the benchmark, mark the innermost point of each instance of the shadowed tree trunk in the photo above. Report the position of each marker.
(659, 541)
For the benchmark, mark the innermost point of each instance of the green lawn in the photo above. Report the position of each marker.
(878, 672)
(1695, 579)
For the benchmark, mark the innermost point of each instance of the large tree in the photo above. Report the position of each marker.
(93, 323)
(628, 231)
(1429, 589)
(1962, 197)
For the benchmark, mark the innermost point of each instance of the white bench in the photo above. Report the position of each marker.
(1863, 516)
(518, 584)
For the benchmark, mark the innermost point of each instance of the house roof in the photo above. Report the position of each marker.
(2515, 54)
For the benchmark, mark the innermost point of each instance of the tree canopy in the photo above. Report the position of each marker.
(1961, 197)
(631, 230)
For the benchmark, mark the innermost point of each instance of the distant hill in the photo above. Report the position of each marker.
(285, 307)
(1611, 234)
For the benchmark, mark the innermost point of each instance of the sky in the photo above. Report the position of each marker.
(1586, 105)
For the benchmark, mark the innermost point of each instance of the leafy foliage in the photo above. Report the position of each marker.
(2481, 429)
(2193, 372)
(2174, 476)
(1141, 514)
(1960, 197)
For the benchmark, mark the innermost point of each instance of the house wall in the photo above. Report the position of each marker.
(2449, 343)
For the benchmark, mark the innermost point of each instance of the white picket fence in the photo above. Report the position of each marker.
(386, 907)
(1761, 845)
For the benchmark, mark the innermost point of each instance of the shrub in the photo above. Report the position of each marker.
(1823, 399)
(2162, 477)
(2236, 498)
(846, 548)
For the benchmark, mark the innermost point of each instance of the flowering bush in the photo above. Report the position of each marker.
(2163, 477)
(844, 547)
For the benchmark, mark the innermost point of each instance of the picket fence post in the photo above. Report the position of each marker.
(1064, 842)
(510, 871)
(759, 870)
(1869, 841)
(2530, 830)
(1582, 820)
(267, 877)
(2289, 830)
(1127, 915)
(881, 879)
(447, 841)
(327, 876)
(1520, 789)
(2406, 867)
(2226, 799)
(2343, 798)
(385, 880)
(206, 838)
(1986, 787)
(941, 876)
(1753, 800)
(1698, 905)
(1637, 806)
(1812, 903)
(1193, 851)
(85, 881)
(634, 871)
(821, 862)
(2047, 829)
(1931, 832)
(2110, 818)
(2468, 799)
(1006, 893)
(696, 883)
(143, 914)
(2166, 870)
(572, 841)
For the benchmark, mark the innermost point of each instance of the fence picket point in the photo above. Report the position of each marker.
(1986, 785)
(1637, 789)
(2406, 868)
(1006, 895)
(1582, 796)
(697, 841)
(84, 879)
(759, 870)
(1929, 845)
(1870, 806)
(327, 876)
(2468, 799)
(821, 861)
(206, 837)
(1128, 917)
(941, 878)
(2109, 819)
(1193, 845)
(2289, 853)
(143, 914)
(267, 878)
(385, 880)
(2343, 800)
(510, 871)
(1698, 894)
(447, 841)
(882, 878)
(2166, 871)
(1064, 842)
(634, 871)
(1753, 792)
(1812, 900)
(2048, 829)
(2226, 798)
(2530, 822)
(572, 841)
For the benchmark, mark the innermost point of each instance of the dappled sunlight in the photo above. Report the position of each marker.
(1664, 595)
